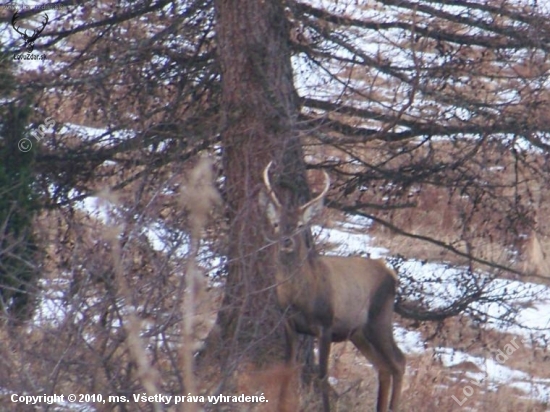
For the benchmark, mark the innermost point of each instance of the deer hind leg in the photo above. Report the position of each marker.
(399, 371)
(384, 374)
(379, 333)
(391, 372)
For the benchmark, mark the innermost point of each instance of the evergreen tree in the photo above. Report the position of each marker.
(18, 273)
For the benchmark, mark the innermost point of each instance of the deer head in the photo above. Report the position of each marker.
(289, 224)
(29, 40)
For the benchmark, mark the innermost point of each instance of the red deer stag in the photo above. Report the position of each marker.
(334, 298)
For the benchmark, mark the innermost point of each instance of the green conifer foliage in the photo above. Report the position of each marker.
(18, 268)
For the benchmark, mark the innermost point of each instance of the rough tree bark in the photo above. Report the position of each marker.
(259, 106)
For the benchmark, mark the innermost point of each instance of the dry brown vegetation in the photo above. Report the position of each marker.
(503, 225)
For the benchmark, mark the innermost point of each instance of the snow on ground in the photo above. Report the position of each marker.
(96, 208)
(409, 341)
(349, 238)
(100, 136)
(494, 373)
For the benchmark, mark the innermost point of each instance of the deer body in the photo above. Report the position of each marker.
(327, 281)
(334, 298)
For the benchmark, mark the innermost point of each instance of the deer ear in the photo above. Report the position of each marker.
(270, 208)
(311, 210)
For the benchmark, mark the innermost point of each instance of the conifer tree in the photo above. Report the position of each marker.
(18, 272)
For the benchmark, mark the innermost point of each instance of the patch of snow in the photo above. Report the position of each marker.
(96, 207)
(409, 341)
(96, 135)
(494, 373)
(332, 380)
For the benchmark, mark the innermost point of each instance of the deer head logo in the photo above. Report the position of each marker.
(29, 40)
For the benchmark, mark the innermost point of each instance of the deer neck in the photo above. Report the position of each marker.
(296, 271)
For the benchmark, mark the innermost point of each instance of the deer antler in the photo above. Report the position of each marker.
(274, 197)
(268, 186)
(321, 195)
(36, 32)
(13, 20)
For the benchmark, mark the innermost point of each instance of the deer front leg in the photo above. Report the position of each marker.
(290, 358)
(324, 351)
(290, 348)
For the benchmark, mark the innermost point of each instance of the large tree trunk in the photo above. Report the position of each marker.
(259, 104)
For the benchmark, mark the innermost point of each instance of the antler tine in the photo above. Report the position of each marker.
(36, 32)
(268, 185)
(13, 20)
(323, 193)
(44, 24)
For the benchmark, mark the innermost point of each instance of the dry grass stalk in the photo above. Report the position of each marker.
(147, 373)
(198, 197)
